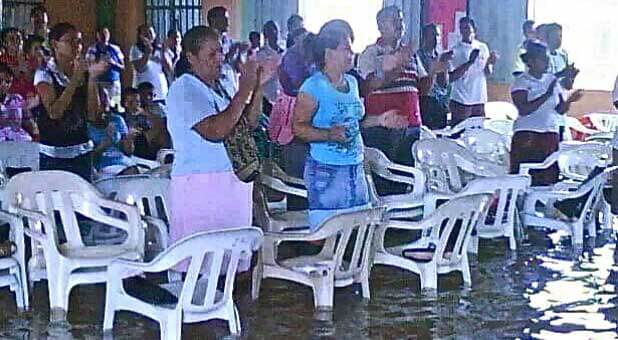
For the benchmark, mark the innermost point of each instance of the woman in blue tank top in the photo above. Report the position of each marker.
(328, 115)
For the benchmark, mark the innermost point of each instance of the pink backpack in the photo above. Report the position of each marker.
(280, 127)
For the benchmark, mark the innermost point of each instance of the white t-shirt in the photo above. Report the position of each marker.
(189, 102)
(153, 73)
(545, 118)
(471, 88)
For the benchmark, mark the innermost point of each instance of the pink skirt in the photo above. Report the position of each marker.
(205, 202)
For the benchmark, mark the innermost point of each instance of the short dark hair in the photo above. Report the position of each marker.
(533, 50)
(33, 39)
(59, 30)
(214, 12)
(193, 39)
(172, 32)
(5, 69)
(129, 91)
(528, 24)
(101, 28)
(143, 86)
(254, 33)
(467, 20)
(7, 31)
(554, 26)
(293, 18)
(269, 24)
(386, 13)
(38, 9)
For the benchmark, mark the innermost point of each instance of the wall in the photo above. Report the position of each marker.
(80, 13)
(442, 12)
(593, 101)
(235, 11)
(129, 15)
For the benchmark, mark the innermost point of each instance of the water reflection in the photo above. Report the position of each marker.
(544, 290)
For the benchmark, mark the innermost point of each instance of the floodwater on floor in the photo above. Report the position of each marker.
(545, 289)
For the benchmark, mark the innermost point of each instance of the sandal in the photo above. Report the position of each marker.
(7, 249)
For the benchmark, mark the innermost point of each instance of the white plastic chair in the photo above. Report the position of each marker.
(501, 110)
(488, 145)
(429, 256)
(501, 126)
(503, 213)
(164, 154)
(200, 298)
(345, 234)
(604, 122)
(145, 164)
(573, 124)
(577, 162)
(426, 133)
(14, 266)
(278, 220)
(48, 199)
(413, 178)
(448, 165)
(470, 123)
(150, 194)
(547, 217)
(20, 155)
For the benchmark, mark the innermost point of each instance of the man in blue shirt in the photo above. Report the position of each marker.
(103, 49)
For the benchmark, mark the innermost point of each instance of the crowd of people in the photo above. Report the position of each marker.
(324, 103)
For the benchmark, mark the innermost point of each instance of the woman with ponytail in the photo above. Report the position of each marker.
(67, 86)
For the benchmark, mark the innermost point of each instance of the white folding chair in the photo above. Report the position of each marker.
(14, 266)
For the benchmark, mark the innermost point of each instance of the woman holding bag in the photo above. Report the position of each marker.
(205, 112)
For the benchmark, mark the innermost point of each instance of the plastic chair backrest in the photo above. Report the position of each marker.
(487, 144)
(454, 221)
(506, 190)
(150, 194)
(501, 110)
(210, 254)
(436, 158)
(56, 194)
(605, 122)
(350, 240)
(501, 126)
(19, 155)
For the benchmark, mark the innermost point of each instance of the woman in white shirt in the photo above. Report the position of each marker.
(204, 107)
(149, 62)
(540, 103)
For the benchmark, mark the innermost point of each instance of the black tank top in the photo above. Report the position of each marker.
(71, 128)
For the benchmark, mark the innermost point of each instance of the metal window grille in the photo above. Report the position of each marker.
(16, 13)
(164, 15)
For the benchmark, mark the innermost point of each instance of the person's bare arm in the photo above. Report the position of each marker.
(140, 64)
(56, 104)
(525, 107)
(304, 110)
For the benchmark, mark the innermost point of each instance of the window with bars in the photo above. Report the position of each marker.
(16, 13)
(164, 15)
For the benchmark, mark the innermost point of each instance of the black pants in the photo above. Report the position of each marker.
(81, 166)
(433, 114)
(397, 146)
